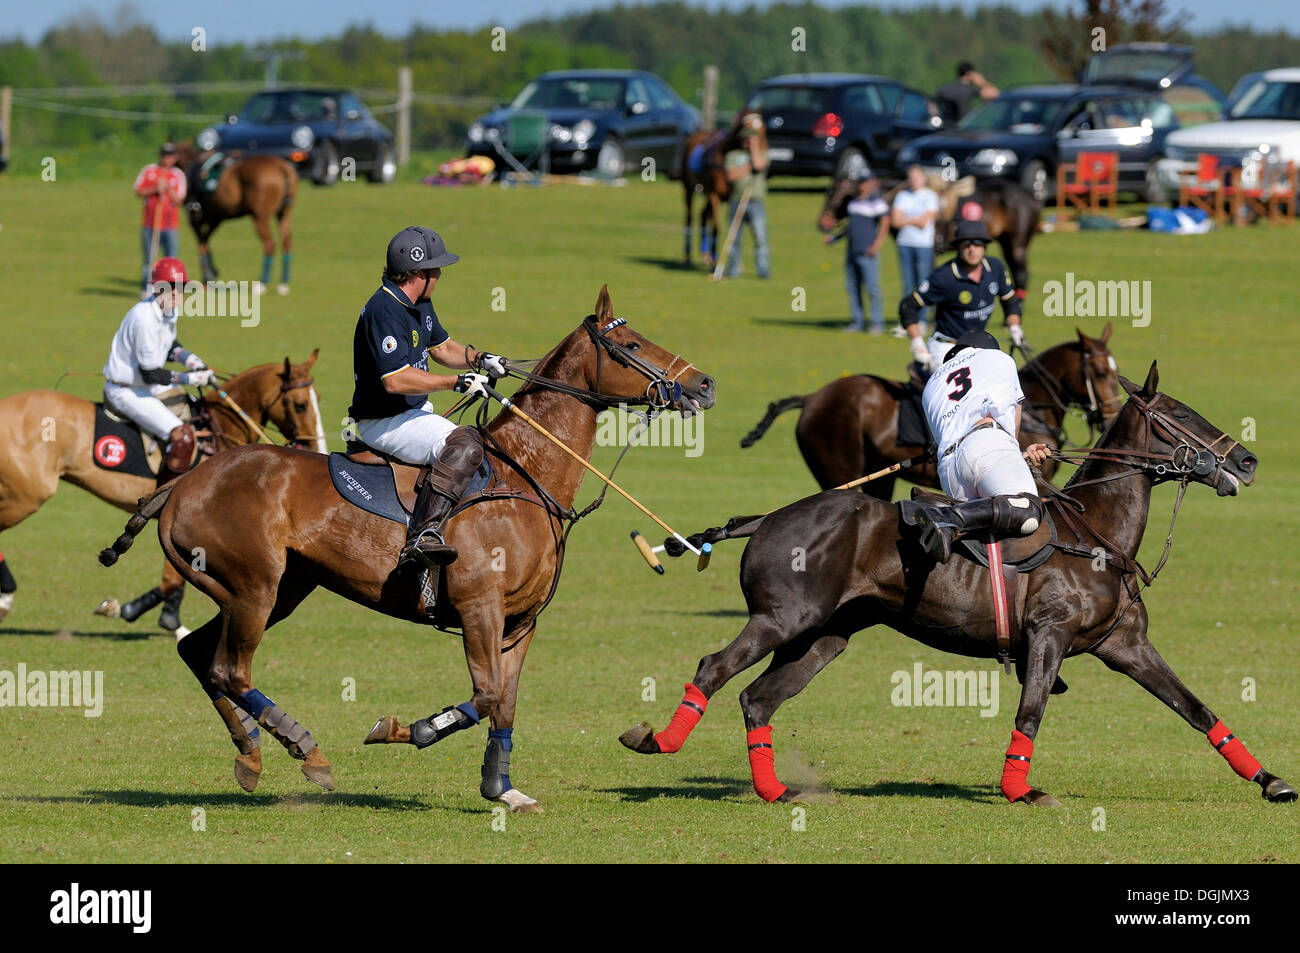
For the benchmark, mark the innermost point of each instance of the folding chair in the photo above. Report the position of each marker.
(1204, 188)
(527, 141)
(1272, 195)
(1088, 183)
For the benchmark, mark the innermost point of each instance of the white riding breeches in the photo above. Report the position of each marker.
(416, 436)
(986, 463)
(140, 405)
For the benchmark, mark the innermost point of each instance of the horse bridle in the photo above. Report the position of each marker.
(285, 388)
(1094, 412)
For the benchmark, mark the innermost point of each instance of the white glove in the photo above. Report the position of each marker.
(494, 364)
(195, 378)
(472, 385)
(1017, 335)
(921, 352)
(195, 363)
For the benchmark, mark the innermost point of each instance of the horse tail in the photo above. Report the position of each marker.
(148, 508)
(774, 410)
(738, 527)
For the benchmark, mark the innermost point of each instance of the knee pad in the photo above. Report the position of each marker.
(1020, 514)
(463, 448)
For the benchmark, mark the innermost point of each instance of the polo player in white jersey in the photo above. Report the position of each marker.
(972, 402)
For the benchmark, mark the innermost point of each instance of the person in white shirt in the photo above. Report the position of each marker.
(972, 402)
(913, 215)
(134, 375)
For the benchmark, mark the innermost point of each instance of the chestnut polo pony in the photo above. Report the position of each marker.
(860, 571)
(705, 174)
(48, 437)
(849, 428)
(273, 528)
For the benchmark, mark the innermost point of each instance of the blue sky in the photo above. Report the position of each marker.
(253, 21)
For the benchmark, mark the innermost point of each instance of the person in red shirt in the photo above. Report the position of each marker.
(162, 186)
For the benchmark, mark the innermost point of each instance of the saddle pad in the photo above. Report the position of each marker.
(118, 446)
(371, 486)
(913, 428)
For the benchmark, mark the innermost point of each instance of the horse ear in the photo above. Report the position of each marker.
(1083, 338)
(288, 367)
(1127, 384)
(604, 308)
(1153, 381)
(1105, 334)
(311, 360)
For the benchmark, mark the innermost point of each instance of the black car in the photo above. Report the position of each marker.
(315, 129)
(1025, 134)
(831, 123)
(606, 120)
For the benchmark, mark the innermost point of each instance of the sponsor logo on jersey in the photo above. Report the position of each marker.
(964, 297)
(415, 338)
(110, 451)
(428, 322)
(993, 287)
(389, 345)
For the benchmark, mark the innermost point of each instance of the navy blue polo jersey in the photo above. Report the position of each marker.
(392, 334)
(961, 304)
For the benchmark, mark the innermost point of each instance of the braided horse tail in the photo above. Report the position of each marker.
(148, 508)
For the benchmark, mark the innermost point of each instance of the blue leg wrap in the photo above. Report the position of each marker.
(284, 267)
(469, 711)
(266, 269)
(496, 763)
(254, 702)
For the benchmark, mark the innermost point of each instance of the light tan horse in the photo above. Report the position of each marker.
(47, 436)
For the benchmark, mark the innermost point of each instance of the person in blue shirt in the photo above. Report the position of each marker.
(397, 332)
(866, 212)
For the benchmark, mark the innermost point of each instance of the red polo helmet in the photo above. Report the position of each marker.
(169, 271)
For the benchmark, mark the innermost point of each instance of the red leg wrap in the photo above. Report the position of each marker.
(687, 716)
(1015, 772)
(1021, 293)
(762, 763)
(1238, 757)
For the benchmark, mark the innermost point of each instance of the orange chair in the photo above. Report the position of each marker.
(1273, 199)
(1204, 188)
(1088, 183)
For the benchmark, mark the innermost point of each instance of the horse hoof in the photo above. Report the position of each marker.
(109, 607)
(259, 289)
(6, 603)
(1037, 798)
(1277, 791)
(640, 739)
(388, 732)
(792, 796)
(317, 769)
(248, 769)
(519, 802)
(282, 289)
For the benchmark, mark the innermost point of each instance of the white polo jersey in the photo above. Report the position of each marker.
(144, 339)
(976, 383)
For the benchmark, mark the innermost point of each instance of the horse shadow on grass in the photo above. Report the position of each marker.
(123, 635)
(807, 324)
(156, 799)
(934, 790)
(717, 789)
(704, 788)
(668, 264)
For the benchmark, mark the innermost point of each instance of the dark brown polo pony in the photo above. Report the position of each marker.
(273, 528)
(861, 572)
(264, 187)
(710, 180)
(849, 428)
(40, 455)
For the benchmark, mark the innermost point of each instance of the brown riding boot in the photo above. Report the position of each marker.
(180, 451)
(455, 467)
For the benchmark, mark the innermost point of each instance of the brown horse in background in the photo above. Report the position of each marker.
(703, 173)
(30, 471)
(849, 428)
(273, 528)
(264, 187)
(1010, 213)
(859, 571)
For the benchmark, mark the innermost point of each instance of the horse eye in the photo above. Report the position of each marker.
(633, 346)
(300, 408)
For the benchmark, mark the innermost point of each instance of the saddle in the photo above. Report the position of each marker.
(387, 487)
(1021, 553)
(120, 445)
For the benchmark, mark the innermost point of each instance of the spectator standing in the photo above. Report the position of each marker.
(162, 186)
(866, 213)
(747, 168)
(955, 98)
(915, 207)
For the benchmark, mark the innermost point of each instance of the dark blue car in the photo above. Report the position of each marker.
(602, 120)
(315, 129)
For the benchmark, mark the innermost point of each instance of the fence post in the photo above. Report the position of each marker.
(708, 115)
(6, 104)
(403, 115)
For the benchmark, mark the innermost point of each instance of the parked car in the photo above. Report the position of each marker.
(833, 123)
(315, 129)
(1025, 134)
(1262, 129)
(1166, 68)
(606, 120)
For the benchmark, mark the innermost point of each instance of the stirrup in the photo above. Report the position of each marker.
(936, 541)
(430, 553)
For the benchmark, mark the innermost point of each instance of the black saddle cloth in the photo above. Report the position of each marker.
(118, 446)
(371, 486)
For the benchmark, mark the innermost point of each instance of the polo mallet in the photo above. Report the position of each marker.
(153, 237)
(641, 545)
(221, 392)
(733, 229)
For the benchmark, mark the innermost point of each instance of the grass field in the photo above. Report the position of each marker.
(898, 784)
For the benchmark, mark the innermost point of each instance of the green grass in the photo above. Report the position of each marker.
(898, 784)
